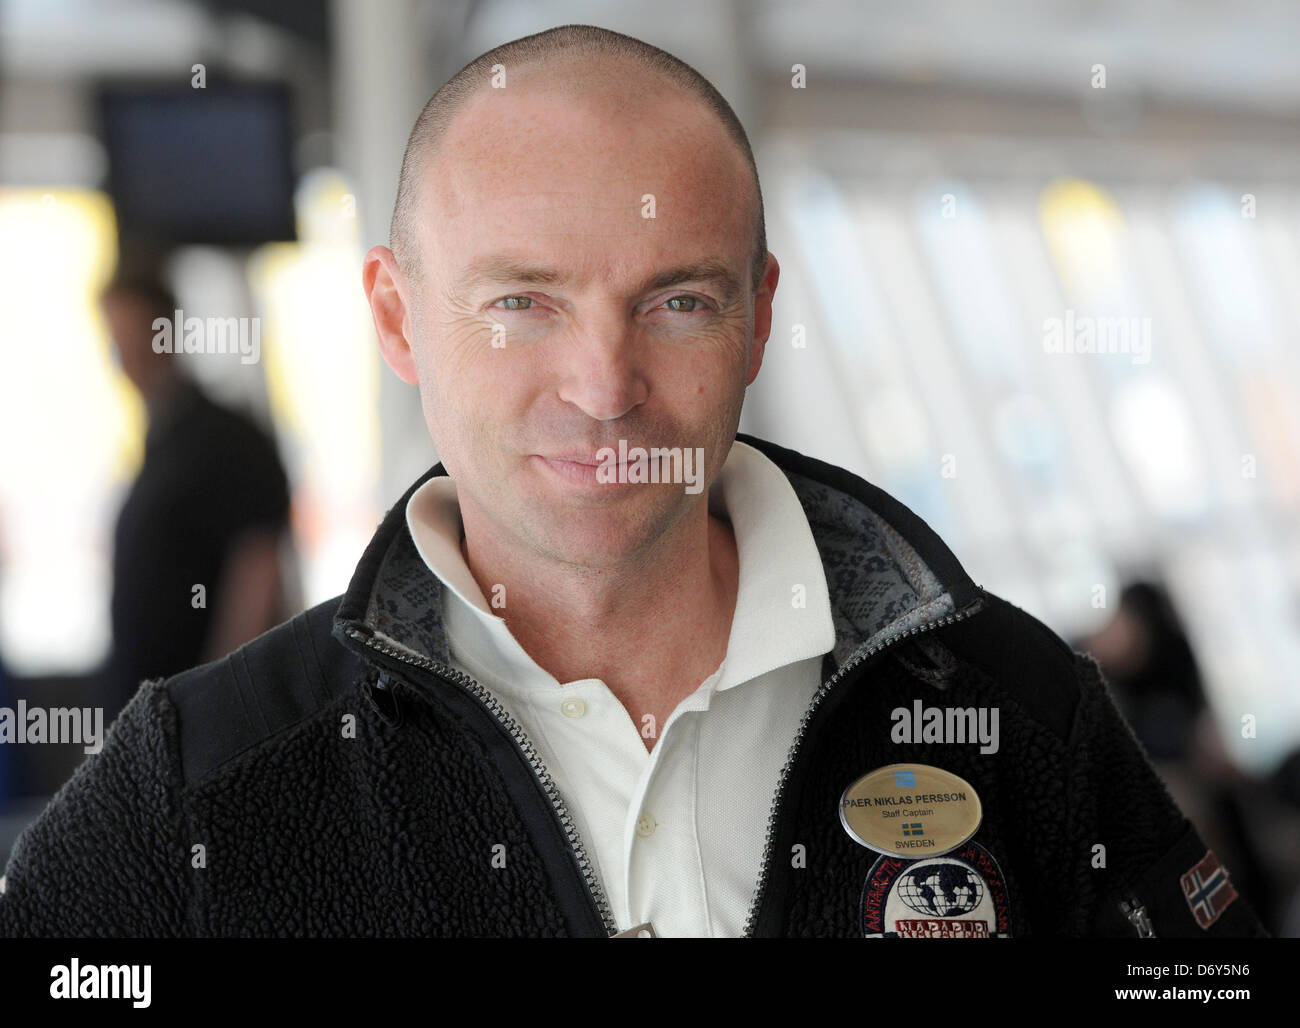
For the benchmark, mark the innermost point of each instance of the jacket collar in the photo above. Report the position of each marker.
(888, 573)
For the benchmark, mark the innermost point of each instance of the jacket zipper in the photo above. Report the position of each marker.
(857, 658)
(594, 888)
(499, 714)
(1131, 907)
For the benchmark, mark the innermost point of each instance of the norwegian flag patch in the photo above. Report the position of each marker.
(1207, 889)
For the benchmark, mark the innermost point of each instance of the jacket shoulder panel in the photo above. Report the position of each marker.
(1024, 657)
(109, 854)
(268, 685)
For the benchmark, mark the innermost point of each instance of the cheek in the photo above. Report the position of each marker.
(461, 347)
(449, 358)
(709, 377)
(469, 425)
(717, 349)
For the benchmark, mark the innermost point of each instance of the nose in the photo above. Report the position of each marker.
(603, 372)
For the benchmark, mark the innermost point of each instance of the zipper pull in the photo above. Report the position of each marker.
(384, 699)
(1131, 907)
(641, 931)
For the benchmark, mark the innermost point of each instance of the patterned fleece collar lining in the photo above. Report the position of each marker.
(880, 587)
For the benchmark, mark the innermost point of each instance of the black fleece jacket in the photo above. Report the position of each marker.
(338, 777)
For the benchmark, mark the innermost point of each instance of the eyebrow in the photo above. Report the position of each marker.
(512, 271)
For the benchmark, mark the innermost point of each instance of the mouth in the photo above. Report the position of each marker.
(581, 469)
(574, 458)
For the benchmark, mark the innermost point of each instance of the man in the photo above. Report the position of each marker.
(573, 689)
(209, 508)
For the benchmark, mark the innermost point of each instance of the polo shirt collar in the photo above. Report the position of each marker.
(783, 611)
(889, 573)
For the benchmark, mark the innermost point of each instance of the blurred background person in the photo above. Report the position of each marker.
(1149, 663)
(196, 550)
(1153, 673)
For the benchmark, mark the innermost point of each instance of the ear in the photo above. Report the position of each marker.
(389, 295)
(763, 315)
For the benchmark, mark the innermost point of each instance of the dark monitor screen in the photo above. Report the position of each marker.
(200, 166)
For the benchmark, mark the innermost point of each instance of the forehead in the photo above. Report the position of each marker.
(611, 176)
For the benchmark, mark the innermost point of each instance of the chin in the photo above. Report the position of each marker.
(599, 536)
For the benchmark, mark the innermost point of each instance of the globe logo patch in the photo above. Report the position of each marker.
(960, 895)
(941, 890)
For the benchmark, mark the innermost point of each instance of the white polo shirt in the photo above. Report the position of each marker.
(677, 833)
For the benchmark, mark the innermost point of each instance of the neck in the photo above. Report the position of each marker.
(652, 631)
(160, 394)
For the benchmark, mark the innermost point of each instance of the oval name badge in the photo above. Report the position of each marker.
(910, 810)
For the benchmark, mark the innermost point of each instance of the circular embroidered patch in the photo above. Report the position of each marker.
(960, 895)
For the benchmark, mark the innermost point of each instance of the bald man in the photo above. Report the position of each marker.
(610, 668)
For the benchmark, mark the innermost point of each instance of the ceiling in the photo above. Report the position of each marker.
(1239, 54)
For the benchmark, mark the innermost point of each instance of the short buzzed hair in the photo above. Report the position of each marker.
(564, 41)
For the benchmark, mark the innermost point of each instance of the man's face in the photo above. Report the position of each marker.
(546, 326)
(130, 322)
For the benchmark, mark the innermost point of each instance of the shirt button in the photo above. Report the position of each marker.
(573, 707)
(645, 826)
